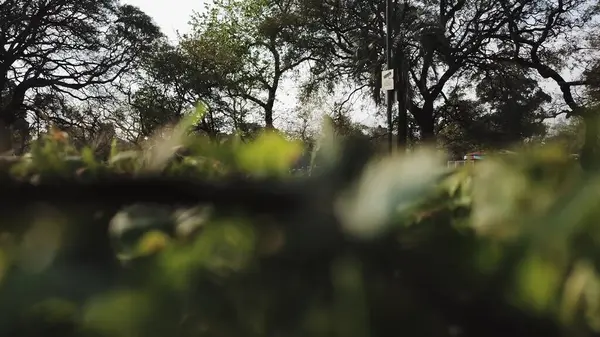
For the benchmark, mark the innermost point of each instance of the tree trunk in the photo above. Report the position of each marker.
(272, 95)
(269, 118)
(590, 151)
(427, 133)
(425, 121)
(5, 138)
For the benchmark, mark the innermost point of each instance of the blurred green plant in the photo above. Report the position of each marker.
(370, 245)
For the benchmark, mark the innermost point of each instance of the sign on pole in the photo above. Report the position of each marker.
(387, 79)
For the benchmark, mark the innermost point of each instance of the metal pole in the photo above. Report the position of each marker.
(389, 9)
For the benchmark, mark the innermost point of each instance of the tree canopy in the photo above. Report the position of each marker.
(66, 49)
(474, 72)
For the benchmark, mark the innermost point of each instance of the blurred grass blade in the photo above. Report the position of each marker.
(388, 188)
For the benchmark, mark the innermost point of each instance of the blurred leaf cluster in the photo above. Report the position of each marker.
(396, 245)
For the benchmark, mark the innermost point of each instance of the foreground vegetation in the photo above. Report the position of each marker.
(225, 241)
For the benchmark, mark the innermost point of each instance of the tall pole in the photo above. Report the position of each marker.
(402, 88)
(389, 11)
(402, 92)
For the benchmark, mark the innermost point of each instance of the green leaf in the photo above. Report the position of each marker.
(582, 277)
(119, 314)
(387, 189)
(130, 225)
(113, 149)
(223, 247)
(127, 161)
(193, 118)
(269, 154)
(538, 282)
(158, 156)
(88, 158)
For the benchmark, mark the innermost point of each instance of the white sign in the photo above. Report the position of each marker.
(387, 79)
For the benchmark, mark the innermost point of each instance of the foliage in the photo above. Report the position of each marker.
(236, 58)
(567, 133)
(239, 55)
(365, 245)
(61, 49)
(508, 109)
(442, 46)
(436, 42)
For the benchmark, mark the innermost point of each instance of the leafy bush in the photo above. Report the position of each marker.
(225, 241)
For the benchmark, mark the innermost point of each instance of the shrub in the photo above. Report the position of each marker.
(225, 241)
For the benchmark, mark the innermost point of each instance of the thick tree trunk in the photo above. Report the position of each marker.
(427, 133)
(426, 122)
(272, 95)
(269, 118)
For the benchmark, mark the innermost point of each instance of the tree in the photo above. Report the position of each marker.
(591, 69)
(534, 37)
(508, 110)
(463, 130)
(569, 134)
(234, 60)
(87, 124)
(154, 108)
(515, 101)
(257, 41)
(171, 80)
(68, 48)
(435, 40)
(545, 36)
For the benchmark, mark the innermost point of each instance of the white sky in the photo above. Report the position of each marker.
(170, 15)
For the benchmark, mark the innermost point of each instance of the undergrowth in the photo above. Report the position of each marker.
(199, 238)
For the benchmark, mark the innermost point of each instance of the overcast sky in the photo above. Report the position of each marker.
(170, 15)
